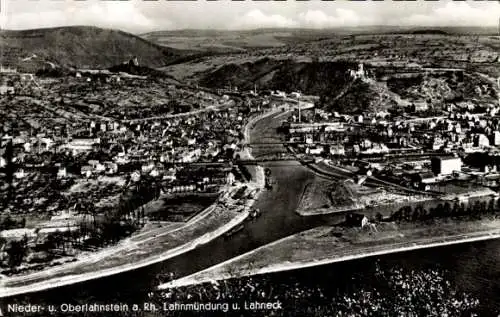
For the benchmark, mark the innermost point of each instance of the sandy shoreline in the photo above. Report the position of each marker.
(292, 260)
(72, 279)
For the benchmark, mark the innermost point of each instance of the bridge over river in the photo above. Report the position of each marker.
(277, 221)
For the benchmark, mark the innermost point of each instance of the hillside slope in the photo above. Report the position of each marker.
(79, 46)
(287, 75)
(329, 80)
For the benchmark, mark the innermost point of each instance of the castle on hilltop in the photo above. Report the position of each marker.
(359, 73)
(134, 61)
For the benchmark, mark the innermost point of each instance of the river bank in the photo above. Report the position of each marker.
(130, 255)
(326, 244)
(147, 248)
(473, 266)
(135, 252)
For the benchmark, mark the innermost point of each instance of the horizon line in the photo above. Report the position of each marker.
(209, 29)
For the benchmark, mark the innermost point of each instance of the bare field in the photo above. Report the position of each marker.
(315, 195)
(325, 197)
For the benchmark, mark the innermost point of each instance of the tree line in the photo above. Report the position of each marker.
(455, 210)
(89, 234)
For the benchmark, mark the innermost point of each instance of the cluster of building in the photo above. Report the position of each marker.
(414, 149)
(76, 149)
(73, 137)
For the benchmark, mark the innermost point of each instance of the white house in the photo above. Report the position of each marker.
(86, 170)
(315, 151)
(61, 173)
(19, 173)
(230, 179)
(135, 176)
(309, 139)
(337, 150)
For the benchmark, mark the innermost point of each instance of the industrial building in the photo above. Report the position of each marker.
(446, 165)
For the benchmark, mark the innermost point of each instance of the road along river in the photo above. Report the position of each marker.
(278, 218)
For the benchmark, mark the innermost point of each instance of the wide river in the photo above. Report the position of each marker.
(474, 266)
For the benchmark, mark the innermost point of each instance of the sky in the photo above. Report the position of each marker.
(139, 16)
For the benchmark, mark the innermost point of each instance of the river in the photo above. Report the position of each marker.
(475, 266)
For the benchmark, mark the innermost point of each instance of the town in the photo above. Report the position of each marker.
(205, 174)
(81, 151)
(437, 147)
(82, 148)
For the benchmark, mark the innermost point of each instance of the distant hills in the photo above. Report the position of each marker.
(430, 31)
(218, 41)
(93, 47)
(80, 47)
(311, 31)
(234, 41)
